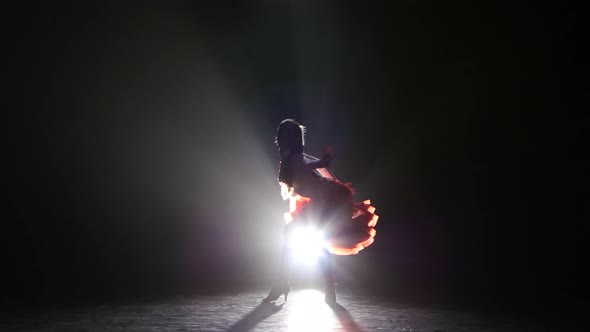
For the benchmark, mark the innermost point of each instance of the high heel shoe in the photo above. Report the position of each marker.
(330, 295)
(277, 290)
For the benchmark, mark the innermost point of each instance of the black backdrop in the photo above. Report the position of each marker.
(140, 156)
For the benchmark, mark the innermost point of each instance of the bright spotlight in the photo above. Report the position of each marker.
(307, 244)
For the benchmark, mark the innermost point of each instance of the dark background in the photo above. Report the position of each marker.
(140, 159)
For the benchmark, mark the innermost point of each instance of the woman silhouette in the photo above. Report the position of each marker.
(319, 200)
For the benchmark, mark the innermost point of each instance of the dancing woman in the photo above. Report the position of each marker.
(319, 200)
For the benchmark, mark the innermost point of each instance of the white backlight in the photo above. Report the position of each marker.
(307, 244)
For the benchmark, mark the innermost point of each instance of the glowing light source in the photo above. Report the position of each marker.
(307, 244)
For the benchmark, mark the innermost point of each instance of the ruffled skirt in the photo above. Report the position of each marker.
(347, 227)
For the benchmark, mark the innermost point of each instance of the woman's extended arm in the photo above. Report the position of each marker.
(320, 163)
(323, 162)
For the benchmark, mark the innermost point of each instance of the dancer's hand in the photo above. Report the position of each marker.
(328, 150)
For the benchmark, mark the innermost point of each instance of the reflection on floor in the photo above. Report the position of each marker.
(304, 311)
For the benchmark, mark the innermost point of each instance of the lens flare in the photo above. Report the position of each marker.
(307, 244)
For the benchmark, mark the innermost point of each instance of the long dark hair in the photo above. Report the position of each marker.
(290, 139)
(290, 136)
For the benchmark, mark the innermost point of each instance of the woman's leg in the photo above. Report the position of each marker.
(282, 285)
(326, 267)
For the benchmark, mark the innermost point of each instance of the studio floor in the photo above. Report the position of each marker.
(304, 311)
